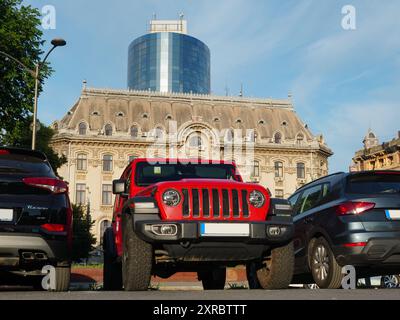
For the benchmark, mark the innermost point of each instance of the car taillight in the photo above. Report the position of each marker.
(354, 244)
(51, 227)
(51, 184)
(4, 152)
(350, 207)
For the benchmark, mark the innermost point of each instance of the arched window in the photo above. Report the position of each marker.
(81, 162)
(301, 171)
(278, 169)
(256, 169)
(82, 128)
(107, 163)
(108, 130)
(278, 138)
(103, 226)
(134, 131)
(195, 141)
(300, 138)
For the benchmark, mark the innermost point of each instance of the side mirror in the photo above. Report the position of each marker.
(119, 186)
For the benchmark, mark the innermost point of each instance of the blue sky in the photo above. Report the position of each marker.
(342, 81)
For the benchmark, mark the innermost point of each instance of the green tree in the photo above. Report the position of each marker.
(20, 37)
(21, 136)
(83, 239)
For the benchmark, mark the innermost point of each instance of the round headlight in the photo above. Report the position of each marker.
(256, 199)
(171, 197)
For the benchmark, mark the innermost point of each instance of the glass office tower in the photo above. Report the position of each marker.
(169, 62)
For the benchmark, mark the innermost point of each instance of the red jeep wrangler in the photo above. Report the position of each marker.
(184, 215)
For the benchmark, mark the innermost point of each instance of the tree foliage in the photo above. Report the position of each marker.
(20, 37)
(83, 239)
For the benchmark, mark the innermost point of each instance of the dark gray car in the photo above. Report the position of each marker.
(347, 219)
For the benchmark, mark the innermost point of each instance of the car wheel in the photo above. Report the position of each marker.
(112, 270)
(277, 269)
(390, 281)
(137, 258)
(325, 270)
(213, 279)
(251, 272)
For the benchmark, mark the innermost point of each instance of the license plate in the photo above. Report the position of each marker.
(393, 214)
(225, 229)
(6, 215)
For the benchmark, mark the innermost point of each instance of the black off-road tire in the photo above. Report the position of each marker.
(137, 258)
(112, 270)
(213, 279)
(277, 269)
(251, 272)
(334, 277)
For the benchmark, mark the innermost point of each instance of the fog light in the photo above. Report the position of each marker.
(165, 229)
(274, 231)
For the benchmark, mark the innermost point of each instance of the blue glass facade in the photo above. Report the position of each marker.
(169, 62)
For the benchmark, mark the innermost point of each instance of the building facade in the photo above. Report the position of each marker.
(169, 60)
(106, 129)
(375, 156)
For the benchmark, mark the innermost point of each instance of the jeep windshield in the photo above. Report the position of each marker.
(147, 174)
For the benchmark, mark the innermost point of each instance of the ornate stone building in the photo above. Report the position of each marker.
(377, 156)
(105, 129)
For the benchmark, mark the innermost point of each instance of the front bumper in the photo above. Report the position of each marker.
(266, 232)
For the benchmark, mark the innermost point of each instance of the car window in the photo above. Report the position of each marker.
(384, 183)
(310, 198)
(293, 200)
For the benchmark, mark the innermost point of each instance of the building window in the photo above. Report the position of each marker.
(107, 162)
(278, 138)
(196, 141)
(278, 169)
(82, 128)
(103, 226)
(301, 172)
(106, 194)
(81, 162)
(159, 133)
(279, 193)
(108, 130)
(134, 132)
(229, 136)
(299, 139)
(80, 193)
(256, 169)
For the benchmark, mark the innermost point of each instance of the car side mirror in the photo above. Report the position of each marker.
(119, 187)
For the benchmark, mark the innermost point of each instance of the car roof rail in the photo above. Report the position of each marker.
(23, 151)
(324, 177)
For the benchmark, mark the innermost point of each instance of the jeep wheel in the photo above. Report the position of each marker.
(112, 270)
(251, 272)
(325, 270)
(277, 269)
(213, 279)
(137, 258)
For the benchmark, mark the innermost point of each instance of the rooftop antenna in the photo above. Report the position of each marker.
(226, 89)
(181, 16)
(84, 82)
(241, 90)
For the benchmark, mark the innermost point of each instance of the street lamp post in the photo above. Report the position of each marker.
(36, 75)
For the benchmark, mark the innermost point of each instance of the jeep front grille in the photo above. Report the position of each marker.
(213, 203)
